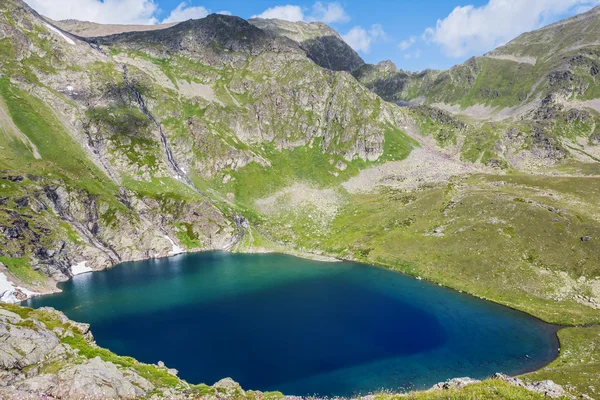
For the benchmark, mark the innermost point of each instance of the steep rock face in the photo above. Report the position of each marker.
(89, 194)
(322, 44)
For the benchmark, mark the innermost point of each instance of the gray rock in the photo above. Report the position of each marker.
(456, 383)
(97, 379)
(548, 388)
(229, 388)
(26, 345)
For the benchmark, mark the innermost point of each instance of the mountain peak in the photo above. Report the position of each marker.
(216, 39)
(387, 66)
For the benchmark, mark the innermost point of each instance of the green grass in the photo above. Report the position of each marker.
(187, 236)
(21, 270)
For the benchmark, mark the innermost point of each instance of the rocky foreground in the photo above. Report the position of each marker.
(43, 354)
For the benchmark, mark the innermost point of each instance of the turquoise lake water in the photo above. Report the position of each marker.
(276, 322)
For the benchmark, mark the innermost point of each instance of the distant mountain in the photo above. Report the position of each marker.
(395, 85)
(561, 60)
(91, 29)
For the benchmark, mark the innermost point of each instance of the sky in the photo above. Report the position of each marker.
(415, 35)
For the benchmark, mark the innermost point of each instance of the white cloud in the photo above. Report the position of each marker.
(116, 11)
(329, 13)
(361, 39)
(407, 44)
(323, 12)
(183, 12)
(470, 29)
(107, 11)
(288, 13)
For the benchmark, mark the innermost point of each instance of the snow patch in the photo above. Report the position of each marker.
(53, 29)
(176, 249)
(80, 268)
(8, 289)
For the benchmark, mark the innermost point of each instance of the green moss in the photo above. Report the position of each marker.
(72, 235)
(397, 145)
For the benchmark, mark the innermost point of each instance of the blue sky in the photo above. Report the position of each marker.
(414, 35)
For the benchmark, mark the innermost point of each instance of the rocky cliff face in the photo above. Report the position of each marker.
(322, 44)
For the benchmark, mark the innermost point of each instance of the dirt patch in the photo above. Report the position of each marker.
(321, 205)
(420, 168)
(594, 104)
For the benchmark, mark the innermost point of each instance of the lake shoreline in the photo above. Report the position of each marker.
(553, 329)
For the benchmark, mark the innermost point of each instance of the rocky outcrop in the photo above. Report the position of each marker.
(547, 387)
(393, 84)
(36, 360)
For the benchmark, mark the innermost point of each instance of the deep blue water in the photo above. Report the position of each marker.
(275, 322)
